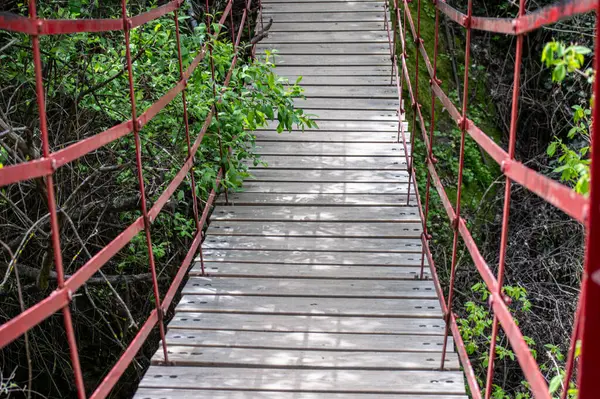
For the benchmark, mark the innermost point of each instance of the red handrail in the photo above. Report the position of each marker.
(50, 161)
(583, 209)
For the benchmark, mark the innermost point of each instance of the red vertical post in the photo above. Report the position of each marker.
(589, 365)
(187, 135)
(54, 224)
(395, 42)
(399, 75)
(456, 221)
(140, 173)
(514, 114)
(415, 105)
(214, 87)
(429, 155)
(231, 27)
(570, 364)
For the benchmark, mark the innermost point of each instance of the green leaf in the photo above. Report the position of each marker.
(554, 383)
(559, 73)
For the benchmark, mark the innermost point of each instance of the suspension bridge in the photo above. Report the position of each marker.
(316, 281)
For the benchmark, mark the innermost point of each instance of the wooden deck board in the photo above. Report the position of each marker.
(316, 229)
(432, 328)
(321, 214)
(361, 307)
(333, 162)
(331, 7)
(348, 125)
(329, 176)
(323, 341)
(320, 136)
(308, 285)
(332, 149)
(326, 288)
(166, 393)
(343, 16)
(280, 26)
(319, 381)
(326, 244)
(314, 257)
(303, 359)
(303, 271)
(325, 48)
(321, 200)
(366, 116)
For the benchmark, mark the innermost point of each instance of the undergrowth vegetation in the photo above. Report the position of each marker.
(87, 86)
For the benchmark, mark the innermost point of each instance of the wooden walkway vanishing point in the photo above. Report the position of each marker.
(313, 288)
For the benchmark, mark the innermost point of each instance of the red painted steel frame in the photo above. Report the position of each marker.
(589, 366)
(50, 161)
(584, 210)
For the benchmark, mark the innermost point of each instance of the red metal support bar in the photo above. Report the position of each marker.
(140, 175)
(52, 208)
(429, 158)
(186, 123)
(589, 365)
(42, 27)
(512, 140)
(523, 23)
(415, 100)
(461, 162)
(570, 363)
(214, 88)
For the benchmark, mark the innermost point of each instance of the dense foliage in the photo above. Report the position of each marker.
(87, 92)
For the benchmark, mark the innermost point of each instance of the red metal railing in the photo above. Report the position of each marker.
(586, 210)
(51, 161)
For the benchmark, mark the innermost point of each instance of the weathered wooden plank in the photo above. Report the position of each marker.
(327, 26)
(329, 7)
(310, 288)
(320, 214)
(364, 307)
(347, 104)
(339, 125)
(313, 257)
(383, 92)
(370, 81)
(315, 229)
(331, 149)
(294, 380)
(328, 59)
(368, 117)
(324, 176)
(327, 188)
(168, 393)
(325, 48)
(283, 3)
(276, 199)
(311, 323)
(369, 71)
(309, 271)
(306, 340)
(320, 136)
(327, 37)
(347, 16)
(333, 162)
(328, 244)
(303, 359)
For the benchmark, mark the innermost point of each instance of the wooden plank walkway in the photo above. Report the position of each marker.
(312, 289)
